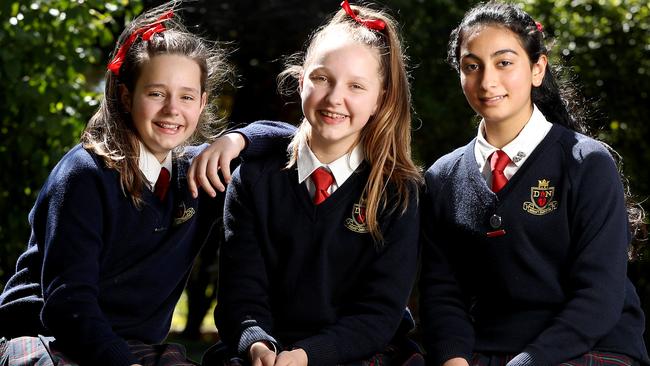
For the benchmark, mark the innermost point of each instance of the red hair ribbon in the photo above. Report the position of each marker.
(146, 32)
(539, 26)
(376, 24)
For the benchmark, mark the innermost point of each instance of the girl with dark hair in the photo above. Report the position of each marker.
(525, 229)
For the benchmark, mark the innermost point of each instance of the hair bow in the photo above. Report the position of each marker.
(539, 26)
(376, 24)
(146, 32)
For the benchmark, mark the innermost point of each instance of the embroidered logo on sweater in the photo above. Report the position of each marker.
(357, 221)
(183, 214)
(541, 199)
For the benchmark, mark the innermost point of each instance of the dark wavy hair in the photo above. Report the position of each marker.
(557, 97)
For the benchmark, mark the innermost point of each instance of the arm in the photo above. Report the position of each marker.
(243, 314)
(448, 333)
(253, 140)
(597, 274)
(68, 222)
(370, 319)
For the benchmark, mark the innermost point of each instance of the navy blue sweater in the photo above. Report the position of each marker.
(98, 270)
(551, 286)
(301, 274)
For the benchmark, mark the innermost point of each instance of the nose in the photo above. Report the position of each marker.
(335, 95)
(171, 106)
(488, 78)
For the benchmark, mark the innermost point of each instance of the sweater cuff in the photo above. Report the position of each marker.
(254, 334)
(116, 354)
(523, 359)
(319, 351)
(445, 351)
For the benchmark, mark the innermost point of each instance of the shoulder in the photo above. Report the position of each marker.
(77, 162)
(443, 167)
(252, 170)
(79, 169)
(580, 147)
(584, 152)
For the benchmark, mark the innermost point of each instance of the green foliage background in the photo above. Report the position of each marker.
(54, 52)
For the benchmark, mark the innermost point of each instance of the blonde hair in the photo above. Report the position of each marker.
(386, 138)
(110, 133)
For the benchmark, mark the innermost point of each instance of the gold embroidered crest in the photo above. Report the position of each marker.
(357, 221)
(183, 214)
(541, 199)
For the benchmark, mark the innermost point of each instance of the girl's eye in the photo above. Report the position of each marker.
(504, 63)
(357, 87)
(470, 67)
(155, 94)
(319, 78)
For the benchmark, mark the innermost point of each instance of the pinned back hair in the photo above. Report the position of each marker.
(557, 97)
(110, 133)
(386, 138)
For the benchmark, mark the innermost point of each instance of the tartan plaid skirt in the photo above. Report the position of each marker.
(588, 359)
(40, 351)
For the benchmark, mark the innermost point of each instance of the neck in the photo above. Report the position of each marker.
(501, 133)
(328, 152)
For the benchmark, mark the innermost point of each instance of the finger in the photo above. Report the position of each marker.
(268, 359)
(201, 178)
(191, 184)
(212, 171)
(224, 162)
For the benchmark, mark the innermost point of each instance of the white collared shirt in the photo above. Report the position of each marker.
(518, 150)
(341, 168)
(150, 166)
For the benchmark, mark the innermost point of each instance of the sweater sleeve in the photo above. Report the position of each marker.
(369, 321)
(243, 313)
(597, 274)
(263, 137)
(446, 326)
(68, 220)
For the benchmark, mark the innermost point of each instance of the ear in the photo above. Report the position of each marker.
(301, 79)
(204, 101)
(125, 98)
(539, 69)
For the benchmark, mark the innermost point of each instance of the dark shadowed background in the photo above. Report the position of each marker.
(53, 56)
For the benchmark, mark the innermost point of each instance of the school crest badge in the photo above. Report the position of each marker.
(357, 221)
(541, 199)
(183, 214)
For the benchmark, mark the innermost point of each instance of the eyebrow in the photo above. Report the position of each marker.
(353, 77)
(495, 54)
(184, 88)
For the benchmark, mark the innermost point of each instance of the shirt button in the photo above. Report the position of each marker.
(495, 221)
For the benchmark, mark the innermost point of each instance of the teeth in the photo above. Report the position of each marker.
(333, 115)
(168, 126)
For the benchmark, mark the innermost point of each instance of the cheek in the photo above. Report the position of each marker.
(308, 96)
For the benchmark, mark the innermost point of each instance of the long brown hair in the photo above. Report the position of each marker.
(110, 133)
(386, 138)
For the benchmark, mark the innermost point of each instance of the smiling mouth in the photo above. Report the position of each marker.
(492, 99)
(333, 115)
(167, 126)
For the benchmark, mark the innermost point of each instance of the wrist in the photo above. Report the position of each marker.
(238, 138)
